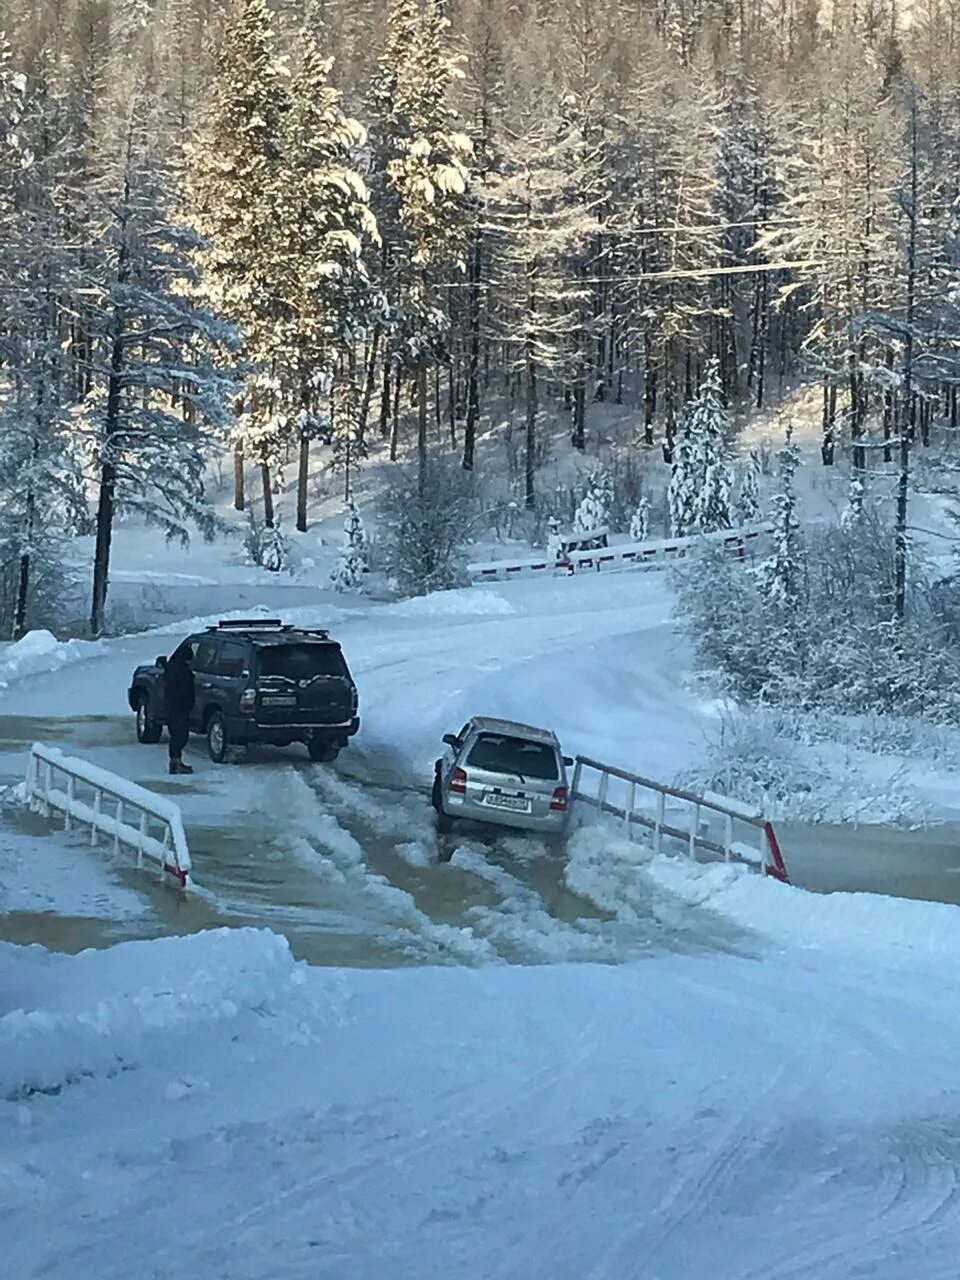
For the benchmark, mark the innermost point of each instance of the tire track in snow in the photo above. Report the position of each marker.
(457, 1133)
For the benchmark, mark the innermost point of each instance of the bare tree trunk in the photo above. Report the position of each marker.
(532, 408)
(369, 383)
(385, 402)
(903, 478)
(268, 515)
(303, 475)
(649, 389)
(422, 426)
(239, 494)
(395, 419)
(828, 443)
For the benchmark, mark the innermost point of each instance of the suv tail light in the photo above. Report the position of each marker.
(458, 782)
(560, 800)
(248, 700)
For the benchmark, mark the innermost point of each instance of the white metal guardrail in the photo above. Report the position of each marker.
(737, 542)
(111, 806)
(641, 802)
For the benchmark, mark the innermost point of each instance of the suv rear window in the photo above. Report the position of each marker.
(302, 661)
(499, 753)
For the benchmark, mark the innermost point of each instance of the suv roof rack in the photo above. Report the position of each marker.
(247, 624)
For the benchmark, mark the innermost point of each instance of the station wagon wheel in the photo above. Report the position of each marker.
(218, 741)
(148, 729)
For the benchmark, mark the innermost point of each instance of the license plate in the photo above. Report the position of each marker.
(507, 802)
(279, 700)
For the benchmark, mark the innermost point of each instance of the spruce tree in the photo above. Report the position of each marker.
(782, 574)
(348, 575)
(748, 501)
(324, 206)
(159, 399)
(235, 172)
(594, 510)
(424, 218)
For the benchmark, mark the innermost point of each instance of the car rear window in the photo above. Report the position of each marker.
(499, 753)
(302, 661)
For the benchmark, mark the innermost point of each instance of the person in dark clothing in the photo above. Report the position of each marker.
(178, 694)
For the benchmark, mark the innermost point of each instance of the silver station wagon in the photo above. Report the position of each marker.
(501, 772)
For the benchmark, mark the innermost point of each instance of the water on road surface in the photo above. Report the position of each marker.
(344, 863)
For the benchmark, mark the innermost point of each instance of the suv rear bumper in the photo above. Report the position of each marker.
(242, 730)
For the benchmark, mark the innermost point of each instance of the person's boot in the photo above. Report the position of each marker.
(177, 766)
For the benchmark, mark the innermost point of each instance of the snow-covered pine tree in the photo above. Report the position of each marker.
(348, 574)
(424, 217)
(782, 574)
(594, 509)
(159, 400)
(324, 205)
(41, 498)
(852, 513)
(535, 233)
(683, 491)
(748, 501)
(706, 421)
(235, 177)
(640, 521)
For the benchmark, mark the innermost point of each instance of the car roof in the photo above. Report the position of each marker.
(266, 637)
(514, 728)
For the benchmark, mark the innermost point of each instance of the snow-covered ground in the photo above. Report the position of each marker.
(736, 1079)
(207, 1108)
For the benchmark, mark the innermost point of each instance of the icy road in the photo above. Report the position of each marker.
(763, 1087)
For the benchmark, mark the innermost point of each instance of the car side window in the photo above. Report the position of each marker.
(206, 655)
(232, 660)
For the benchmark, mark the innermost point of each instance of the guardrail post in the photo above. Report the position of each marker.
(727, 837)
(604, 785)
(68, 812)
(118, 816)
(143, 833)
(661, 815)
(694, 831)
(631, 805)
(97, 801)
(47, 788)
(577, 771)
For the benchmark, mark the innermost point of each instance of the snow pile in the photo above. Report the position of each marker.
(464, 602)
(96, 1014)
(40, 652)
(325, 615)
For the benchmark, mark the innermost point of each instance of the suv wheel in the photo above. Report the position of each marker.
(322, 752)
(218, 740)
(148, 729)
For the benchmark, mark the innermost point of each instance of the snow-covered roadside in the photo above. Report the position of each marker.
(209, 1105)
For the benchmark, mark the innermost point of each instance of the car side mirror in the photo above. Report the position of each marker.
(568, 760)
(161, 661)
(450, 739)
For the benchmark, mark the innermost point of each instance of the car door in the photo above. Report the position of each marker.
(226, 679)
(204, 666)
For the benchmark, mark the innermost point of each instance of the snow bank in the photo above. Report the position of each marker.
(467, 602)
(633, 883)
(325, 615)
(95, 1014)
(887, 931)
(40, 652)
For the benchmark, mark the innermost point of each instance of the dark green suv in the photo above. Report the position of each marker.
(258, 681)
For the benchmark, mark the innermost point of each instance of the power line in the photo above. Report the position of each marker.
(693, 273)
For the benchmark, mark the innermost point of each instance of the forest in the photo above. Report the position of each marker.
(253, 230)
